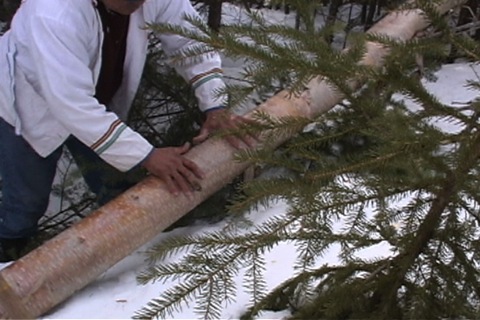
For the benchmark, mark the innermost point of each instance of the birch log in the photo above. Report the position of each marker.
(50, 274)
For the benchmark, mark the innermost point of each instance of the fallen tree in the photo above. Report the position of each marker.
(53, 272)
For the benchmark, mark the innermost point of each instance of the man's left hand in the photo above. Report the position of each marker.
(222, 120)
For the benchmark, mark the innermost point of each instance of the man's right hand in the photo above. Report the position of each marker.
(179, 174)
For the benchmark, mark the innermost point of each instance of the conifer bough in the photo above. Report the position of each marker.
(53, 272)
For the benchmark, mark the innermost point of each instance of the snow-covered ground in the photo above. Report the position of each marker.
(116, 294)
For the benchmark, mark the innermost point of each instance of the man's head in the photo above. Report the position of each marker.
(124, 7)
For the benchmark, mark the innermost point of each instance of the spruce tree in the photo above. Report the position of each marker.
(378, 168)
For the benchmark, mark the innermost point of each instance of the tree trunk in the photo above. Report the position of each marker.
(332, 15)
(370, 13)
(51, 273)
(468, 14)
(215, 14)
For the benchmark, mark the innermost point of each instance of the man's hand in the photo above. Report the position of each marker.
(222, 120)
(179, 173)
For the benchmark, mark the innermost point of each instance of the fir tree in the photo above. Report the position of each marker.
(373, 154)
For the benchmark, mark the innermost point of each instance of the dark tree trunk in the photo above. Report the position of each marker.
(333, 12)
(370, 13)
(470, 13)
(215, 14)
(332, 15)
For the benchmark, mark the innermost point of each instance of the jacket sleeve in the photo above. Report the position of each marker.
(63, 76)
(203, 73)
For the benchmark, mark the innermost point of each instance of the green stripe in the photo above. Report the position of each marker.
(112, 140)
(198, 83)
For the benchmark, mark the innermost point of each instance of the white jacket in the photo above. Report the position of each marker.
(49, 66)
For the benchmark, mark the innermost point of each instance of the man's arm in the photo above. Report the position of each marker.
(205, 75)
(63, 76)
(179, 174)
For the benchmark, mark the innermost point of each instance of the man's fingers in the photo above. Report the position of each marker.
(233, 128)
(180, 175)
(249, 141)
(184, 148)
(243, 137)
(182, 183)
(234, 141)
(250, 138)
(171, 185)
(249, 120)
(191, 178)
(241, 141)
(202, 136)
(187, 177)
(192, 167)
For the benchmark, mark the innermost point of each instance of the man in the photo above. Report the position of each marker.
(70, 70)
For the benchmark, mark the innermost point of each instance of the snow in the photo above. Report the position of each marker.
(116, 294)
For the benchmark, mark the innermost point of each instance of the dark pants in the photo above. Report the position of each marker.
(27, 180)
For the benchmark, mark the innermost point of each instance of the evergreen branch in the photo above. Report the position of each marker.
(406, 156)
(353, 168)
(170, 247)
(286, 289)
(280, 297)
(317, 140)
(254, 282)
(428, 226)
(472, 275)
(200, 279)
(169, 302)
(204, 274)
